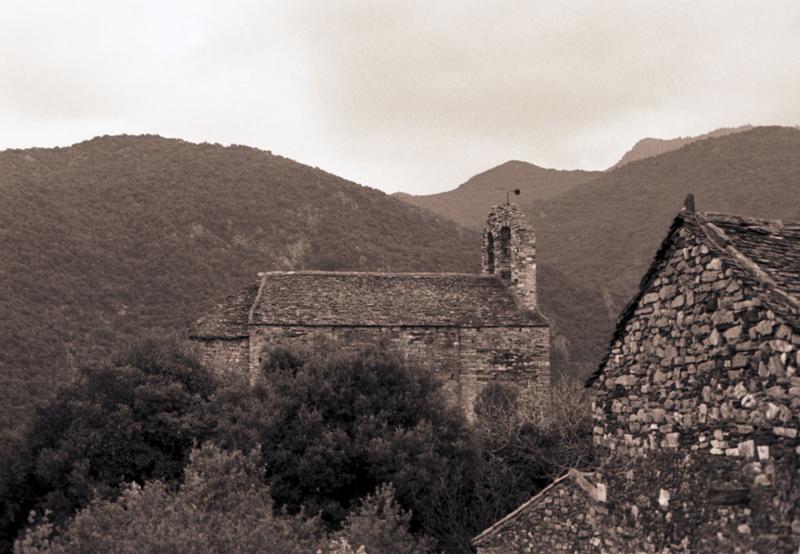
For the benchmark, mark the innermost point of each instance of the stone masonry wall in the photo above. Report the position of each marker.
(696, 413)
(563, 519)
(227, 357)
(466, 358)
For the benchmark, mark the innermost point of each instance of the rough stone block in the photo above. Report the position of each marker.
(747, 448)
(788, 432)
(650, 298)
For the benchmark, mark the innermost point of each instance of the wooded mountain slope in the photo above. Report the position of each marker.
(605, 234)
(468, 204)
(114, 236)
(117, 235)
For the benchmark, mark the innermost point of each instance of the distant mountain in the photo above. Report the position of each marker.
(468, 204)
(117, 235)
(603, 235)
(649, 147)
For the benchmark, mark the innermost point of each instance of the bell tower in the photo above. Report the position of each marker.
(509, 251)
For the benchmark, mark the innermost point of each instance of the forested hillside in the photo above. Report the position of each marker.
(115, 236)
(469, 203)
(119, 235)
(605, 234)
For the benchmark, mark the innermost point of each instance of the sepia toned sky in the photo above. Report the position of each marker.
(401, 95)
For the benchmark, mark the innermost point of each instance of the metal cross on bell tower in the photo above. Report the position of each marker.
(508, 192)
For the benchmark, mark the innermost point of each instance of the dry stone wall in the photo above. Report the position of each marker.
(563, 518)
(696, 412)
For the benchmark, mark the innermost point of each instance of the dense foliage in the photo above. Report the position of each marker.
(348, 448)
(336, 424)
(116, 235)
(222, 506)
(522, 443)
(136, 419)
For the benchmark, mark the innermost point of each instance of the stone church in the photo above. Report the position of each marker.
(472, 329)
(696, 407)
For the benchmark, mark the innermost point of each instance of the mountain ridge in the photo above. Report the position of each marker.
(649, 146)
(469, 202)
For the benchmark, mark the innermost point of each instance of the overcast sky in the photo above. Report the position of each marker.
(411, 96)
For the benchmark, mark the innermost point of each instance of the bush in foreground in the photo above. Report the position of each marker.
(133, 419)
(222, 506)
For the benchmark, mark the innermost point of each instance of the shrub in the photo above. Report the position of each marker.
(133, 419)
(222, 506)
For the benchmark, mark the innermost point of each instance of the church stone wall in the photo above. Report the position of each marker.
(465, 358)
(226, 357)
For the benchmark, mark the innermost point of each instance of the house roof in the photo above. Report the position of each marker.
(584, 480)
(320, 298)
(763, 253)
(773, 245)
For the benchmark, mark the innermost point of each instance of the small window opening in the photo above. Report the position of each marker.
(490, 253)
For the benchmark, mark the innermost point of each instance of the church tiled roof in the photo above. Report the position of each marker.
(311, 298)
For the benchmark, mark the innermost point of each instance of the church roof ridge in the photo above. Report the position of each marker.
(366, 299)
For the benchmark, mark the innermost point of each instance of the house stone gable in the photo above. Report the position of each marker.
(697, 403)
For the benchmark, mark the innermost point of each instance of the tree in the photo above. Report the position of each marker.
(133, 419)
(222, 506)
(524, 445)
(381, 526)
(521, 445)
(546, 438)
(336, 424)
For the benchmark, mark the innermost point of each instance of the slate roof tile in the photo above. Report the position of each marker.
(374, 299)
(227, 320)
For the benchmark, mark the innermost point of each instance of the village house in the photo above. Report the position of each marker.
(696, 407)
(471, 329)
